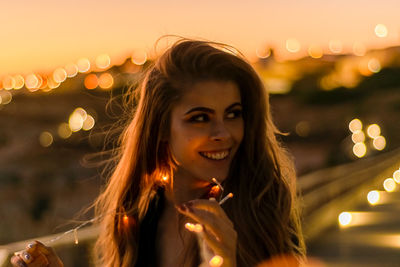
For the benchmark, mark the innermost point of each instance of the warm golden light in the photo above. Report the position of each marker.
(359, 49)
(83, 65)
(355, 125)
(59, 75)
(45, 139)
(396, 176)
(64, 131)
(19, 82)
(125, 219)
(373, 197)
(303, 128)
(360, 149)
(335, 46)
(389, 185)
(374, 65)
(165, 178)
(88, 123)
(345, 218)
(373, 130)
(103, 61)
(106, 81)
(139, 57)
(293, 45)
(76, 119)
(216, 261)
(91, 81)
(5, 97)
(32, 82)
(381, 30)
(363, 68)
(51, 83)
(315, 51)
(8, 82)
(263, 52)
(379, 143)
(71, 69)
(358, 136)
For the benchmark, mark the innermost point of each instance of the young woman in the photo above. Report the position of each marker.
(201, 112)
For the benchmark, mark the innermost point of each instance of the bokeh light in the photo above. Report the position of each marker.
(64, 131)
(45, 139)
(315, 51)
(216, 261)
(379, 143)
(263, 52)
(91, 81)
(373, 197)
(374, 65)
(358, 137)
(293, 45)
(373, 130)
(76, 119)
(345, 218)
(32, 82)
(359, 49)
(359, 149)
(335, 46)
(88, 123)
(139, 57)
(59, 75)
(5, 97)
(303, 128)
(8, 82)
(381, 30)
(19, 82)
(71, 69)
(103, 61)
(396, 176)
(389, 185)
(355, 125)
(83, 65)
(106, 81)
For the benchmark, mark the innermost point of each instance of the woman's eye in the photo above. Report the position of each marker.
(199, 118)
(234, 114)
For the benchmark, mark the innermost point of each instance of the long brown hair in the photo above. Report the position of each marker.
(261, 174)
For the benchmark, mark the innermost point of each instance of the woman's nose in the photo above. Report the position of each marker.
(219, 132)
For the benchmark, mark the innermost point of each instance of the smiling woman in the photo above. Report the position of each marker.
(201, 131)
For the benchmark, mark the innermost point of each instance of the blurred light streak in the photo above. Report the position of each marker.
(139, 57)
(83, 65)
(360, 218)
(345, 218)
(46, 139)
(381, 30)
(91, 81)
(389, 185)
(379, 143)
(373, 130)
(335, 46)
(106, 81)
(293, 45)
(103, 61)
(355, 125)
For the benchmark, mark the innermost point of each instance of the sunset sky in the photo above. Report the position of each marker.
(42, 35)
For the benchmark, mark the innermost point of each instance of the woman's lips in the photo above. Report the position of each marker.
(216, 155)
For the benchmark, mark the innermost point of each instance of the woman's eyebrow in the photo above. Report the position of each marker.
(209, 110)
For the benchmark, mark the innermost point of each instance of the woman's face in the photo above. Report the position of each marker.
(206, 130)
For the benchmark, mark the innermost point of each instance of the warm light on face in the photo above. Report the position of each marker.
(389, 185)
(293, 45)
(381, 30)
(358, 137)
(45, 139)
(373, 197)
(360, 149)
(345, 218)
(379, 143)
(335, 46)
(355, 125)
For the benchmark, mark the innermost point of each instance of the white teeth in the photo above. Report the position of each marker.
(216, 156)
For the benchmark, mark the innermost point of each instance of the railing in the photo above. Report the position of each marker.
(325, 193)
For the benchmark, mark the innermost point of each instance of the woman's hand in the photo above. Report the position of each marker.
(217, 236)
(36, 255)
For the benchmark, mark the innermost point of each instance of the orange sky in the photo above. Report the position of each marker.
(44, 34)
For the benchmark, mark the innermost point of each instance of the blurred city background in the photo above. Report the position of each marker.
(333, 73)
